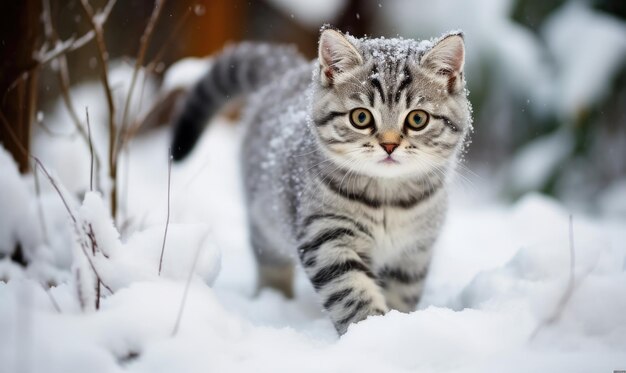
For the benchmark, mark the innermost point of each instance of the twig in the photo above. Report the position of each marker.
(98, 286)
(93, 268)
(163, 105)
(45, 55)
(74, 220)
(58, 190)
(167, 222)
(56, 187)
(172, 35)
(94, 248)
(62, 73)
(569, 290)
(42, 219)
(104, 76)
(79, 290)
(107, 10)
(124, 192)
(53, 301)
(143, 47)
(151, 68)
(90, 149)
(187, 285)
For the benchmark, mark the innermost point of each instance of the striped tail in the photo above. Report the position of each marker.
(237, 70)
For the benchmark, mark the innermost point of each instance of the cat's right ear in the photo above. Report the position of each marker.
(336, 55)
(446, 60)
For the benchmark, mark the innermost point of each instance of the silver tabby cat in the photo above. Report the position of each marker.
(345, 161)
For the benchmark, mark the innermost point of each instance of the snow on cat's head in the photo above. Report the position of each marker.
(391, 107)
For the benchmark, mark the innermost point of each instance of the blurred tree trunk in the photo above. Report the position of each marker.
(19, 33)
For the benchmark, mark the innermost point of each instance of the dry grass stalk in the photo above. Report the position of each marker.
(186, 292)
(102, 56)
(167, 222)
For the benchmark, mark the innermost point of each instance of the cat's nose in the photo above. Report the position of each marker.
(389, 146)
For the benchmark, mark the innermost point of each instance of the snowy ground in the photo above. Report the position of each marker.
(499, 274)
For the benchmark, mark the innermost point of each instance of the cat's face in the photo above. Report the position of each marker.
(391, 107)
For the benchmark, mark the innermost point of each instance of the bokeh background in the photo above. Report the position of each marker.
(547, 79)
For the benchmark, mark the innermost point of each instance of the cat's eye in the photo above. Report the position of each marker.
(361, 118)
(417, 120)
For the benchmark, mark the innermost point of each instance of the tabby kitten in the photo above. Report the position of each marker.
(345, 161)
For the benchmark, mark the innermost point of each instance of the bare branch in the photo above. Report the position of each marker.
(187, 285)
(167, 222)
(107, 10)
(81, 298)
(161, 110)
(104, 76)
(52, 181)
(56, 187)
(62, 73)
(172, 35)
(53, 301)
(90, 150)
(47, 21)
(64, 81)
(42, 220)
(75, 221)
(94, 248)
(151, 68)
(93, 267)
(45, 55)
(143, 47)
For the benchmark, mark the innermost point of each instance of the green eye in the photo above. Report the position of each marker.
(417, 120)
(361, 118)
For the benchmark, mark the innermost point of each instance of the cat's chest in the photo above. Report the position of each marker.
(395, 231)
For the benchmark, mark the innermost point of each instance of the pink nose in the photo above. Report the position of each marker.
(389, 146)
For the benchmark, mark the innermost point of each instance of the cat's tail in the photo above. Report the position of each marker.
(238, 70)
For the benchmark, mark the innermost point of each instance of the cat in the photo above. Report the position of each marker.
(346, 160)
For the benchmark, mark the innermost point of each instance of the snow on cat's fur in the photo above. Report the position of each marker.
(346, 161)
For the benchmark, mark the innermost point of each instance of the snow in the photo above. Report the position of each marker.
(184, 73)
(15, 207)
(537, 161)
(138, 259)
(489, 35)
(311, 13)
(584, 75)
(497, 276)
(492, 301)
(566, 67)
(613, 200)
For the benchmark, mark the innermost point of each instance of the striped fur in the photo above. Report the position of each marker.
(238, 69)
(325, 194)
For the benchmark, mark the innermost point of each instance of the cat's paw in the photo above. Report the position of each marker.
(402, 303)
(356, 312)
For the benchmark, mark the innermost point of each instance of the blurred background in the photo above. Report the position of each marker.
(547, 79)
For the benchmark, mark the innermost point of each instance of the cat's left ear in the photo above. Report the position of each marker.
(446, 60)
(336, 55)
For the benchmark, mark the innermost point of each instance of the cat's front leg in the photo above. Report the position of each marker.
(341, 275)
(403, 281)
